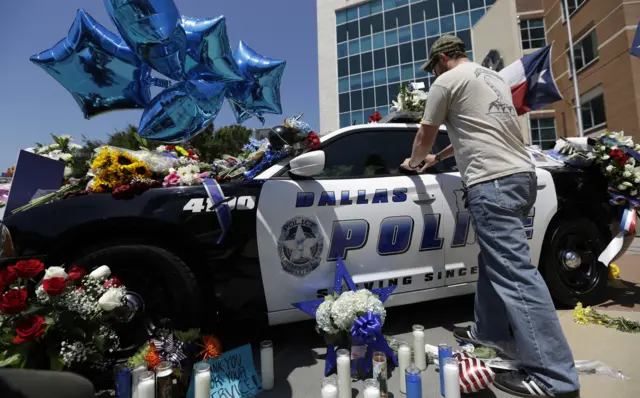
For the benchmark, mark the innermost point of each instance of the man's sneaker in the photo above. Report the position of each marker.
(522, 385)
(465, 335)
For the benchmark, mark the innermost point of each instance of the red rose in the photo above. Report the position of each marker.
(619, 156)
(7, 277)
(54, 286)
(29, 268)
(190, 152)
(14, 301)
(113, 282)
(170, 147)
(29, 329)
(76, 274)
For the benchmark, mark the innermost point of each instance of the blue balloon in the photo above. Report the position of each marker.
(97, 68)
(152, 30)
(182, 111)
(208, 50)
(259, 93)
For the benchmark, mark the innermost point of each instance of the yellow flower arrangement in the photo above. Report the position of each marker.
(115, 168)
(181, 151)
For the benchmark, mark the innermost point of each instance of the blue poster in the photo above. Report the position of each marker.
(33, 173)
(233, 375)
(635, 47)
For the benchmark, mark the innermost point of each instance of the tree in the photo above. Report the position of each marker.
(83, 156)
(227, 140)
(129, 139)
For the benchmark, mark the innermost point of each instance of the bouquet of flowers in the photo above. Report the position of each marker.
(619, 160)
(67, 317)
(411, 98)
(177, 152)
(62, 149)
(113, 168)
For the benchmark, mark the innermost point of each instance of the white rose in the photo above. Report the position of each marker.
(626, 174)
(55, 272)
(67, 172)
(161, 148)
(101, 273)
(622, 187)
(66, 157)
(609, 168)
(633, 193)
(637, 180)
(605, 157)
(54, 146)
(111, 299)
(628, 166)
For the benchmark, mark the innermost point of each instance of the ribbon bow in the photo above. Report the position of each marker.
(627, 227)
(366, 328)
(170, 349)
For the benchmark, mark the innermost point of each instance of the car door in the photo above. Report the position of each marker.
(384, 224)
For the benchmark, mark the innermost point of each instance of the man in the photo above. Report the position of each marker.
(499, 180)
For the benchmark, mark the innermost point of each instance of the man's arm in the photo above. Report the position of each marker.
(422, 144)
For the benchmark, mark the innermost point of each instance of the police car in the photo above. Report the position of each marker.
(348, 199)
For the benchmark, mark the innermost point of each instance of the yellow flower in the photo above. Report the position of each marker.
(122, 158)
(614, 271)
(181, 151)
(137, 169)
(102, 160)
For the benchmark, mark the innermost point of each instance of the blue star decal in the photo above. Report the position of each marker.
(310, 307)
(97, 68)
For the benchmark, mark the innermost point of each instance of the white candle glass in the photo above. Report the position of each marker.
(164, 380)
(202, 378)
(135, 379)
(146, 385)
(329, 387)
(419, 355)
(371, 388)
(266, 363)
(344, 373)
(451, 378)
(404, 360)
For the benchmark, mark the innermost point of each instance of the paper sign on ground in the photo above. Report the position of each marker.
(233, 375)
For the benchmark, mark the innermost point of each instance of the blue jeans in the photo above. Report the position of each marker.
(510, 290)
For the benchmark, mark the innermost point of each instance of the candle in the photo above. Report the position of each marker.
(451, 378)
(164, 381)
(380, 372)
(404, 360)
(123, 381)
(202, 372)
(344, 373)
(371, 389)
(444, 352)
(329, 387)
(420, 357)
(266, 362)
(146, 385)
(135, 379)
(413, 381)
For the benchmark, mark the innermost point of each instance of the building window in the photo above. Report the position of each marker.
(532, 33)
(573, 6)
(543, 132)
(585, 51)
(593, 112)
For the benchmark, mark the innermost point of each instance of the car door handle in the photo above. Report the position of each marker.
(424, 198)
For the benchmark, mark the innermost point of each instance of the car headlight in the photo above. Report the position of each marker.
(6, 243)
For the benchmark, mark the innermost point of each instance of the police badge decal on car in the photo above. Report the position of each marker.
(300, 246)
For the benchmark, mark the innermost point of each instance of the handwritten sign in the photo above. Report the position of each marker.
(233, 375)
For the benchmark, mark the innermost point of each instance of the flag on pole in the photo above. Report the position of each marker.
(531, 80)
(635, 47)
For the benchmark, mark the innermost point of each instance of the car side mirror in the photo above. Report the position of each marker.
(308, 164)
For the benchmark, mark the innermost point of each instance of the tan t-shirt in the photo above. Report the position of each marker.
(475, 104)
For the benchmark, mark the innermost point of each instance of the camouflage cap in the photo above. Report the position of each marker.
(446, 44)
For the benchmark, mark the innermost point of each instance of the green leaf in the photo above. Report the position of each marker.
(99, 342)
(11, 360)
(56, 362)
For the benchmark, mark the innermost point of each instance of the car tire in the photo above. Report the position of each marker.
(167, 286)
(569, 283)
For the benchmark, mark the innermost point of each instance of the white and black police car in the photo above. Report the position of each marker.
(348, 199)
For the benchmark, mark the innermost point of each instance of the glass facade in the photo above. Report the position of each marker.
(382, 43)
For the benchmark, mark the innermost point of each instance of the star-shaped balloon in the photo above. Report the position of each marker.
(152, 30)
(208, 49)
(259, 93)
(97, 68)
(182, 111)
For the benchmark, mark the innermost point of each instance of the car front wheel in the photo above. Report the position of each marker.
(569, 263)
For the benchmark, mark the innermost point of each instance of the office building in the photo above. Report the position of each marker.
(366, 49)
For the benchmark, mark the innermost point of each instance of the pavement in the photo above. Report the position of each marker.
(300, 351)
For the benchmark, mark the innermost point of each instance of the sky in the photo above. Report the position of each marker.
(33, 104)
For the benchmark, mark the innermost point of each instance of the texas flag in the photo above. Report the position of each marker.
(531, 80)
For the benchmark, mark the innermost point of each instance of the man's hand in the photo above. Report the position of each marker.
(407, 165)
(430, 161)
